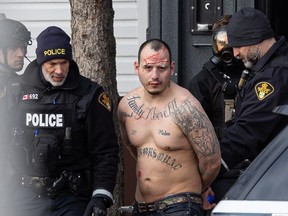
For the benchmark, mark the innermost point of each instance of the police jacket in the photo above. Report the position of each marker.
(8, 90)
(69, 128)
(255, 125)
(207, 88)
(7, 106)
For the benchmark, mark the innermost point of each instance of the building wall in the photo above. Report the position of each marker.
(130, 23)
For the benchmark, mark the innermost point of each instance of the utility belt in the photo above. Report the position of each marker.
(76, 182)
(143, 207)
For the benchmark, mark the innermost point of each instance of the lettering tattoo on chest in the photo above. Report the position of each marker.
(163, 132)
(139, 111)
(159, 156)
(194, 125)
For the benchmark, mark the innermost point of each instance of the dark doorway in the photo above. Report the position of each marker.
(277, 13)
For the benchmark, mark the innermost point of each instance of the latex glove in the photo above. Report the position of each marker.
(98, 206)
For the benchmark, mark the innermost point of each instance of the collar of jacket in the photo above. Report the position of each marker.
(5, 70)
(273, 52)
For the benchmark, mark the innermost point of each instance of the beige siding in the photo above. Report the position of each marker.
(39, 14)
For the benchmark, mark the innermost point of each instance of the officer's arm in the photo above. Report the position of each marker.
(103, 148)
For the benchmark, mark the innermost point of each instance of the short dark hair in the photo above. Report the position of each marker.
(223, 21)
(155, 44)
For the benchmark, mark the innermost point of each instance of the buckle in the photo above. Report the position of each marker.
(37, 180)
(37, 184)
(146, 207)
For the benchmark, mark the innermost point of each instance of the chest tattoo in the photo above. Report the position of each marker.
(159, 156)
(140, 111)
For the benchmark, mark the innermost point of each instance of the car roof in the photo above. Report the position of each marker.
(252, 207)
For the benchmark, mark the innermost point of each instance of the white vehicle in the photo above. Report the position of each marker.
(263, 188)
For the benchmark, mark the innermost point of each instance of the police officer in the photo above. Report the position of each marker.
(255, 125)
(14, 39)
(215, 85)
(65, 150)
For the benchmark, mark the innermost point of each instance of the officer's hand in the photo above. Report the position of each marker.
(98, 206)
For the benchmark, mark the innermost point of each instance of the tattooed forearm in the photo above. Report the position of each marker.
(195, 125)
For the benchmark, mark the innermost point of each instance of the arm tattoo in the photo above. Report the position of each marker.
(194, 125)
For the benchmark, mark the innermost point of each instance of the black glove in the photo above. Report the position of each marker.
(98, 205)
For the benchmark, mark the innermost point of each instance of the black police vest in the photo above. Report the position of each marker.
(50, 136)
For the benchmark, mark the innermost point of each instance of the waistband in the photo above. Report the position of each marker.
(143, 207)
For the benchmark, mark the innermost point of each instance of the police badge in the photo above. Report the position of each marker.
(263, 90)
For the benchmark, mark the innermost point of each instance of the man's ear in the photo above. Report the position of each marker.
(172, 66)
(136, 67)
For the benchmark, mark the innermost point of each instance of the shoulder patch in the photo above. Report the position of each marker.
(263, 90)
(105, 101)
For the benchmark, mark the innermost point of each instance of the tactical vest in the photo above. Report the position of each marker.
(228, 88)
(50, 135)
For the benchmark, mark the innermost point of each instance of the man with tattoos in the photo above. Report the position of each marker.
(170, 136)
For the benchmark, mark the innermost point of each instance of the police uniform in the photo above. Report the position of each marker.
(13, 35)
(255, 124)
(214, 86)
(66, 129)
(7, 107)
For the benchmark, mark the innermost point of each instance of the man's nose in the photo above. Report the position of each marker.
(236, 52)
(155, 72)
(59, 69)
(21, 51)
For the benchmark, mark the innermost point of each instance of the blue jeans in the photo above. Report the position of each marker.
(189, 208)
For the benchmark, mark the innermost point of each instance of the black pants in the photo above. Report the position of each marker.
(24, 202)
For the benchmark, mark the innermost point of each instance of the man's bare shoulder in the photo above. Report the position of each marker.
(183, 95)
(134, 93)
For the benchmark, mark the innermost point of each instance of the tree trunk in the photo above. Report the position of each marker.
(94, 50)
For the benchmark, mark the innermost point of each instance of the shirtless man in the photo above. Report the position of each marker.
(170, 136)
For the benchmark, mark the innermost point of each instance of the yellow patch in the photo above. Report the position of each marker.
(263, 90)
(105, 101)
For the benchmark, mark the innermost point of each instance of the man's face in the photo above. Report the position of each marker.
(55, 71)
(154, 70)
(248, 54)
(221, 40)
(15, 56)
